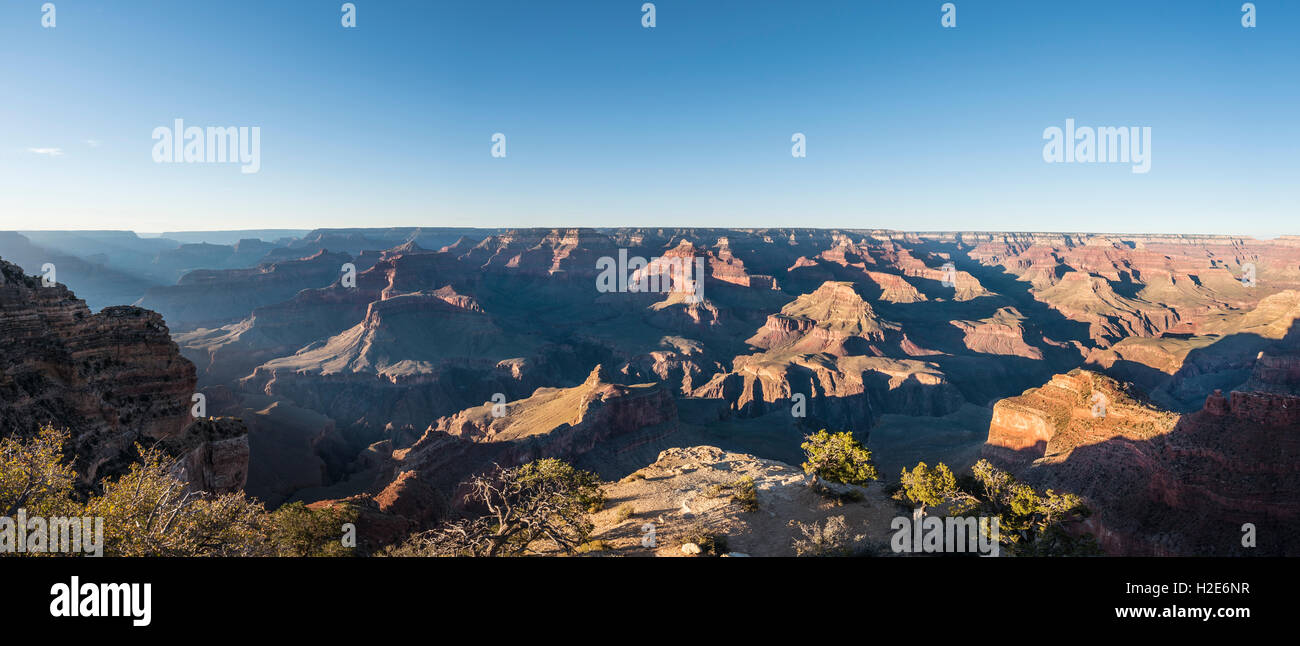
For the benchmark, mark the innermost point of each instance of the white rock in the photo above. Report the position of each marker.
(690, 548)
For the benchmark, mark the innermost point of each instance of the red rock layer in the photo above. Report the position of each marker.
(1160, 484)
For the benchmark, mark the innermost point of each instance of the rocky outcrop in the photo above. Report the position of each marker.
(833, 319)
(212, 454)
(850, 393)
(597, 425)
(894, 288)
(1003, 334)
(1275, 373)
(830, 348)
(1159, 484)
(414, 356)
(688, 491)
(1110, 316)
(112, 379)
(1081, 407)
(681, 363)
(595, 418)
(411, 498)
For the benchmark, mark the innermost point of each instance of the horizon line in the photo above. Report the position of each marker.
(689, 228)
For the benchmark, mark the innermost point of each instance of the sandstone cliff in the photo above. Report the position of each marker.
(113, 379)
(598, 424)
(830, 347)
(1160, 484)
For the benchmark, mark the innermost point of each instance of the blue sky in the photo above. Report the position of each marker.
(908, 125)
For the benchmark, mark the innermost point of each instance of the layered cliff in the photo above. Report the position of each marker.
(833, 349)
(211, 298)
(213, 454)
(594, 423)
(1002, 334)
(113, 379)
(1160, 484)
(598, 425)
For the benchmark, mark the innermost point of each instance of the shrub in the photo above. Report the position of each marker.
(925, 487)
(299, 531)
(839, 458)
(745, 493)
(1029, 523)
(709, 541)
(148, 511)
(592, 546)
(623, 513)
(829, 539)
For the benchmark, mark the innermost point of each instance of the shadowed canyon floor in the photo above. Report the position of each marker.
(385, 366)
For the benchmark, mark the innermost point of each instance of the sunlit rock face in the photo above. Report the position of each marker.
(1159, 483)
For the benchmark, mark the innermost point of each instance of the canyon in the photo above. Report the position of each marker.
(114, 378)
(382, 367)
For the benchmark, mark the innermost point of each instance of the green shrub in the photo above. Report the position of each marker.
(839, 458)
(710, 542)
(745, 493)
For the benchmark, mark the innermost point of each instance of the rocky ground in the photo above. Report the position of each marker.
(690, 493)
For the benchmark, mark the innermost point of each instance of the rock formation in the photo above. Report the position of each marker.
(213, 454)
(211, 298)
(112, 379)
(598, 425)
(689, 490)
(1160, 484)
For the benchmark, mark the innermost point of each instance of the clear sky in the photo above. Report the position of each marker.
(909, 125)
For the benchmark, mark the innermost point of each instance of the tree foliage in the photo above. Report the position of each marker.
(148, 511)
(928, 487)
(838, 457)
(545, 500)
(1029, 523)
